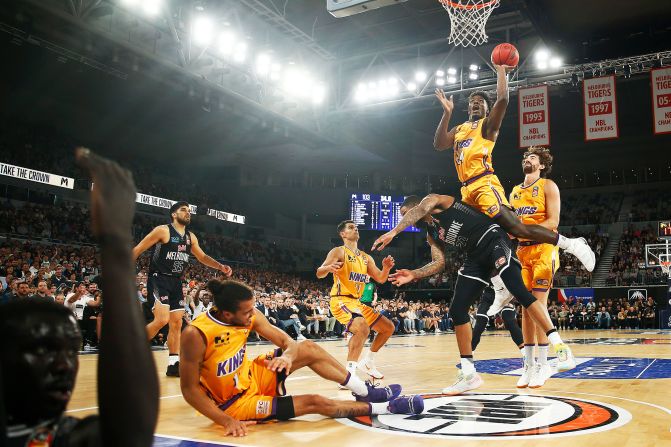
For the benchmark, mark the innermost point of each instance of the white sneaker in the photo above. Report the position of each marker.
(300, 337)
(437, 331)
(579, 248)
(463, 384)
(369, 368)
(523, 382)
(565, 359)
(501, 298)
(539, 375)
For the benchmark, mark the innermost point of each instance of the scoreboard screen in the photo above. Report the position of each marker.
(665, 229)
(377, 212)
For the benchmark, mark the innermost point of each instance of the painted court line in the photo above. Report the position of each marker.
(646, 368)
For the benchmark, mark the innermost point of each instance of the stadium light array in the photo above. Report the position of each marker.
(420, 76)
(148, 7)
(202, 31)
(451, 71)
(473, 67)
(544, 60)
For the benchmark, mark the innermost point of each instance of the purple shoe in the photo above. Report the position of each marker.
(380, 394)
(407, 404)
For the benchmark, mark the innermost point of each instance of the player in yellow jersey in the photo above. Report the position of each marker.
(473, 143)
(352, 269)
(221, 382)
(537, 201)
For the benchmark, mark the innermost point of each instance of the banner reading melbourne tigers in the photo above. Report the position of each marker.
(661, 99)
(600, 106)
(534, 111)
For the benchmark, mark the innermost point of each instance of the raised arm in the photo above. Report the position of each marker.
(493, 122)
(206, 259)
(127, 381)
(444, 138)
(378, 275)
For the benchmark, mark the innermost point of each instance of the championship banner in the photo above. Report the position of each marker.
(661, 99)
(159, 202)
(36, 176)
(534, 111)
(227, 217)
(600, 106)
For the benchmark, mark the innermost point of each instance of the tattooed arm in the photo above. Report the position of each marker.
(437, 263)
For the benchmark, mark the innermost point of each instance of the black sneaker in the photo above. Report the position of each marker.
(173, 370)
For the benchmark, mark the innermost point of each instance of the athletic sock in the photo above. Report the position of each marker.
(355, 384)
(553, 337)
(379, 408)
(370, 356)
(467, 366)
(529, 355)
(351, 367)
(543, 354)
(173, 359)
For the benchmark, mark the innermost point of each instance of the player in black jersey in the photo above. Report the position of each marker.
(450, 222)
(173, 245)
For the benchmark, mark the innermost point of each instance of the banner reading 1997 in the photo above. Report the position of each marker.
(661, 99)
(600, 104)
(534, 111)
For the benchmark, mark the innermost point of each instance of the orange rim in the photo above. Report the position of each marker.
(457, 5)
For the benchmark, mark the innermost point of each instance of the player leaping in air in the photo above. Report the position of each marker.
(473, 143)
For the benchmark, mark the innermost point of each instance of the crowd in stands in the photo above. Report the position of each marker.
(651, 205)
(611, 313)
(584, 209)
(628, 265)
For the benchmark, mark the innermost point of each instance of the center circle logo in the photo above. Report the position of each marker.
(496, 416)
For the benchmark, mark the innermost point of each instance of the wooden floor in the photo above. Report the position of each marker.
(614, 412)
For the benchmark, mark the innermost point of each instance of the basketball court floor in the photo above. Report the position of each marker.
(618, 395)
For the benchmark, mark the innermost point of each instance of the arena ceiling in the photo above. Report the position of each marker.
(157, 108)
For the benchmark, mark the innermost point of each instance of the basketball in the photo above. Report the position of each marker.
(505, 54)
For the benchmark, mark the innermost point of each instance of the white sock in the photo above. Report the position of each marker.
(467, 366)
(563, 242)
(529, 355)
(522, 351)
(356, 385)
(554, 338)
(379, 408)
(172, 359)
(497, 282)
(370, 356)
(543, 354)
(351, 367)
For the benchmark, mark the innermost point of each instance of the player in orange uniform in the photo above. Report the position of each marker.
(221, 382)
(352, 269)
(536, 201)
(473, 143)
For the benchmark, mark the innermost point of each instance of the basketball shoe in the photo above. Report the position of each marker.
(382, 394)
(540, 373)
(368, 366)
(565, 359)
(407, 405)
(464, 383)
(579, 248)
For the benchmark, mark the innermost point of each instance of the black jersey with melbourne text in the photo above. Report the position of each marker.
(459, 226)
(172, 258)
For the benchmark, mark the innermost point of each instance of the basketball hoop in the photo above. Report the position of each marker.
(468, 19)
(665, 266)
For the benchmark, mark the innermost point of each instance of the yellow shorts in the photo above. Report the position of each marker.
(345, 309)
(486, 194)
(539, 264)
(259, 401)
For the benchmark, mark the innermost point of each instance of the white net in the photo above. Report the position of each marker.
(468, 19)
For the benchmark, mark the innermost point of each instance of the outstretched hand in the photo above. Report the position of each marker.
(383, 241)
(112, 197)
(401, 277)
(447, 103)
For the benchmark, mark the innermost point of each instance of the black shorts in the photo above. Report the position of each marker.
(165, 290)
(491, 256)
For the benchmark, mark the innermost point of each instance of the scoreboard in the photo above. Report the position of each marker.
(664, 229)
(377, 212)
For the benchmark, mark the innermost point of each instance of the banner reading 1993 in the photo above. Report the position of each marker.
(534, 111)
(600, 105)
(661, 99)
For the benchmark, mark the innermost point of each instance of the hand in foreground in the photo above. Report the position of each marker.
(388, 262)
(112, 197)
(446, 103)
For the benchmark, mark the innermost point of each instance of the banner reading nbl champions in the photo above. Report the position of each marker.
(534, 111)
